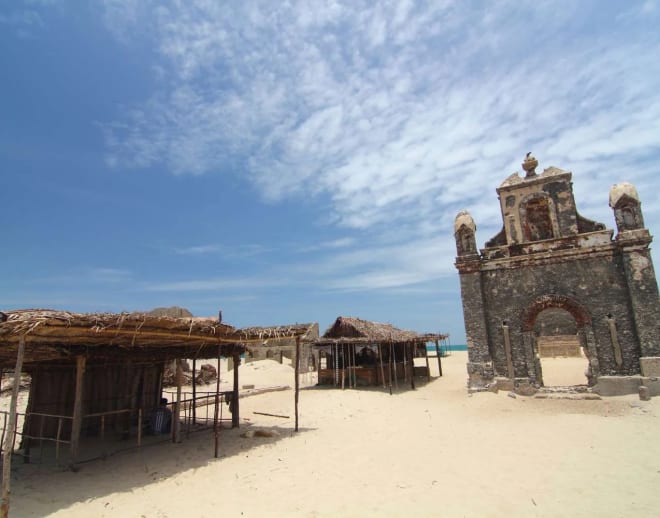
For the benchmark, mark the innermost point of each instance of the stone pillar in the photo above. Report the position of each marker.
(644, 298)
(480, 362)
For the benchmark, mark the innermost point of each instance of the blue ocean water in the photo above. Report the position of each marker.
(457, 347)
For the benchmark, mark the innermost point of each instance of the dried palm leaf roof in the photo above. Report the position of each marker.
(57, 335)
(357, 330)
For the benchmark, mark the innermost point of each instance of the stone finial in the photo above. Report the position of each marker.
(463, 218)
(529, 165)
(622, 189)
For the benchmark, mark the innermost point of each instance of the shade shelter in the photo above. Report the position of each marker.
(94, 375)
(355, 352)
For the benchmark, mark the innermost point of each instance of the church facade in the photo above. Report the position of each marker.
(548, 260)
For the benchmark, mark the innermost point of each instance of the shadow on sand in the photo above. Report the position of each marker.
(130, 469)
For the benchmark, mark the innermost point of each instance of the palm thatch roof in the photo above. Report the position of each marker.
(357, 330)
(60, 335)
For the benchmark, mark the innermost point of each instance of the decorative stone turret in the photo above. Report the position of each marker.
(464, 234)
(624, 200)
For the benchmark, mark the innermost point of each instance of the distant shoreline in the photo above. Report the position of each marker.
(447, 348)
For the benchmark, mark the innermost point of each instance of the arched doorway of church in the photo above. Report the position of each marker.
(563, 358)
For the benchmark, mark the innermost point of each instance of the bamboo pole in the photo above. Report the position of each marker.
(235, 415)
(437, 351)
(297, 371)
(216, 434)
(8, 448)
(76, 424)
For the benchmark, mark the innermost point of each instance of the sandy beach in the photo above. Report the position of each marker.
(435, 451)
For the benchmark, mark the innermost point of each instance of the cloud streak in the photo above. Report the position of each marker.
(398, 114)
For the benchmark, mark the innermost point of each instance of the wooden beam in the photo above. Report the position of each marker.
(8, 446)
(76, 424)
(297, 381)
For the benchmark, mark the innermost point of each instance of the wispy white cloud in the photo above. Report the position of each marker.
(214, 284)
(228, 251)
(399, 114)
(22, 19)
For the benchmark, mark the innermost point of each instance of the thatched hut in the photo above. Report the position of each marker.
(355, 352)
(97, 374)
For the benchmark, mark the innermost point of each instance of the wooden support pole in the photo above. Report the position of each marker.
(76, 423)
(390, 368)
(411, 356)
(396, 370)
(139, 430)
(405, 362)
(194, 391)
(297, 371)
(343, 365)
(382, 369)
(235, 415)
(437, 351)
(216, 428)
(176, 415)
(428, 366)
(8, 446)
(57, 439)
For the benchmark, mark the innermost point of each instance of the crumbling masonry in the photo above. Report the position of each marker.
(547, 256)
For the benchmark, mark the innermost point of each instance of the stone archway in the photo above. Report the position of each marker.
(534, 327)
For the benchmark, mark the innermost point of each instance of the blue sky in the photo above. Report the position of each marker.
(296, 161)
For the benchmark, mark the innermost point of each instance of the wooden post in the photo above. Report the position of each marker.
(411, 355)
(437, 351)
(57, 439)
(76, 423)
(396, 370)
(194, 392)
(390, 368)
(235, 414)
(216, 430)
(405, 362)
(382, 369)
(343, 365)
(139, 431)
(8, 447)
(428, 367)
(297, 369)
(176, 417)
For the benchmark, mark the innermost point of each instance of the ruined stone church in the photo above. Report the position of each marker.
(550, 267)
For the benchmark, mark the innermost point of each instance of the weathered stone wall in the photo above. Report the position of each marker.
(597, 284)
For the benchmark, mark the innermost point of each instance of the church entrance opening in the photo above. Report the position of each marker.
(563, 358)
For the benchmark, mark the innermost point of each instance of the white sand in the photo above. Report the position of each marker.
(431, 452)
